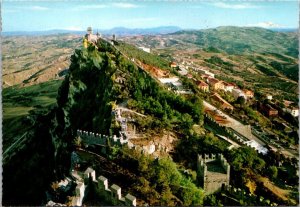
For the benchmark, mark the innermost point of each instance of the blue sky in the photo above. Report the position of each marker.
(78, 15)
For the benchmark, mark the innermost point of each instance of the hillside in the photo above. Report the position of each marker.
(29, 60)
(113, 88)
(232, 40)
(236, 40)
(85, 101)
(262, 59)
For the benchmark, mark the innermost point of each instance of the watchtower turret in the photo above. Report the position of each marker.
(89, 30)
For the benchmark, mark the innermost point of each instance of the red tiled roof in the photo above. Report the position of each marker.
(229, 84)
(201, 83)
(213, 80)
(248, 92)
(224, 102)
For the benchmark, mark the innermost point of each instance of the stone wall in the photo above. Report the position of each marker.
(85, 179)
(91, 138)
(113, 193)
(213, 181)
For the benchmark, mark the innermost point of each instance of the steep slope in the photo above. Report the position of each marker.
(85, 101)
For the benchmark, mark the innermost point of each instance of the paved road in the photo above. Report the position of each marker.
(233, 144)
(234, 124)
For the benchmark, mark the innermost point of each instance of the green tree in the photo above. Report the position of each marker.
(245, 157)
(241, 100)
(211, 200)
(273, 172)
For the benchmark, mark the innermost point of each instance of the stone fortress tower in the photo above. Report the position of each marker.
(214, 172)
(92, 37)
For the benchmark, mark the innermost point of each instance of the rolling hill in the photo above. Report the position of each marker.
(263, 59)
(232, 40)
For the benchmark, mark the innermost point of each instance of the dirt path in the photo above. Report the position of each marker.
(129, 110)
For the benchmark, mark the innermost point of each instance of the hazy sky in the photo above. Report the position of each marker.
(78, 15)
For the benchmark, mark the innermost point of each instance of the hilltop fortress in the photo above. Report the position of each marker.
(214, 172)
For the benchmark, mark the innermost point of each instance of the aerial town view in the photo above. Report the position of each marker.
(150, 103)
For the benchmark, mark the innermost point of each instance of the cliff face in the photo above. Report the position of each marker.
(83, 103)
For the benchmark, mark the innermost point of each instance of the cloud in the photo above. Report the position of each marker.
(38, 8)
(88, 7)
(234, 6)
(125, 5)
(103, 6)
(266, 25)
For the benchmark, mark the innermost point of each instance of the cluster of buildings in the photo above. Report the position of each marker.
(272, 110)
(210, 82)
(180, 68)
(145, 49)
(268, 110)
(294, 111)
(174, 84)
(93, 38)
(216, 84)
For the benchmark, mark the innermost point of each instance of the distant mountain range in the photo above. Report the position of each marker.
(284, 29)
(121, 31)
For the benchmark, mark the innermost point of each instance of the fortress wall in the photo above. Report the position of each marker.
(90, 138)
(99, 139)
(212, 181)
(110, 194)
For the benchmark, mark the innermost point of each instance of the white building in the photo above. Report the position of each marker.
(238, 93)
(169, 80)
(259, 148)
(90, 36)
(270, 97)
(203, 71)
(146, 49)
(294, 111)
(228, 87)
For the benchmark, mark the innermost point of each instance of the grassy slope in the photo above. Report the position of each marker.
(18, 102)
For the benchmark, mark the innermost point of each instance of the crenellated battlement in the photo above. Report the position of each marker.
(214, 171)
(87, 179)
(91, 138)
(113, 192)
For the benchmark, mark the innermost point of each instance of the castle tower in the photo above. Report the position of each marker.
(98, 35)
(214, 171)
(89, 30)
